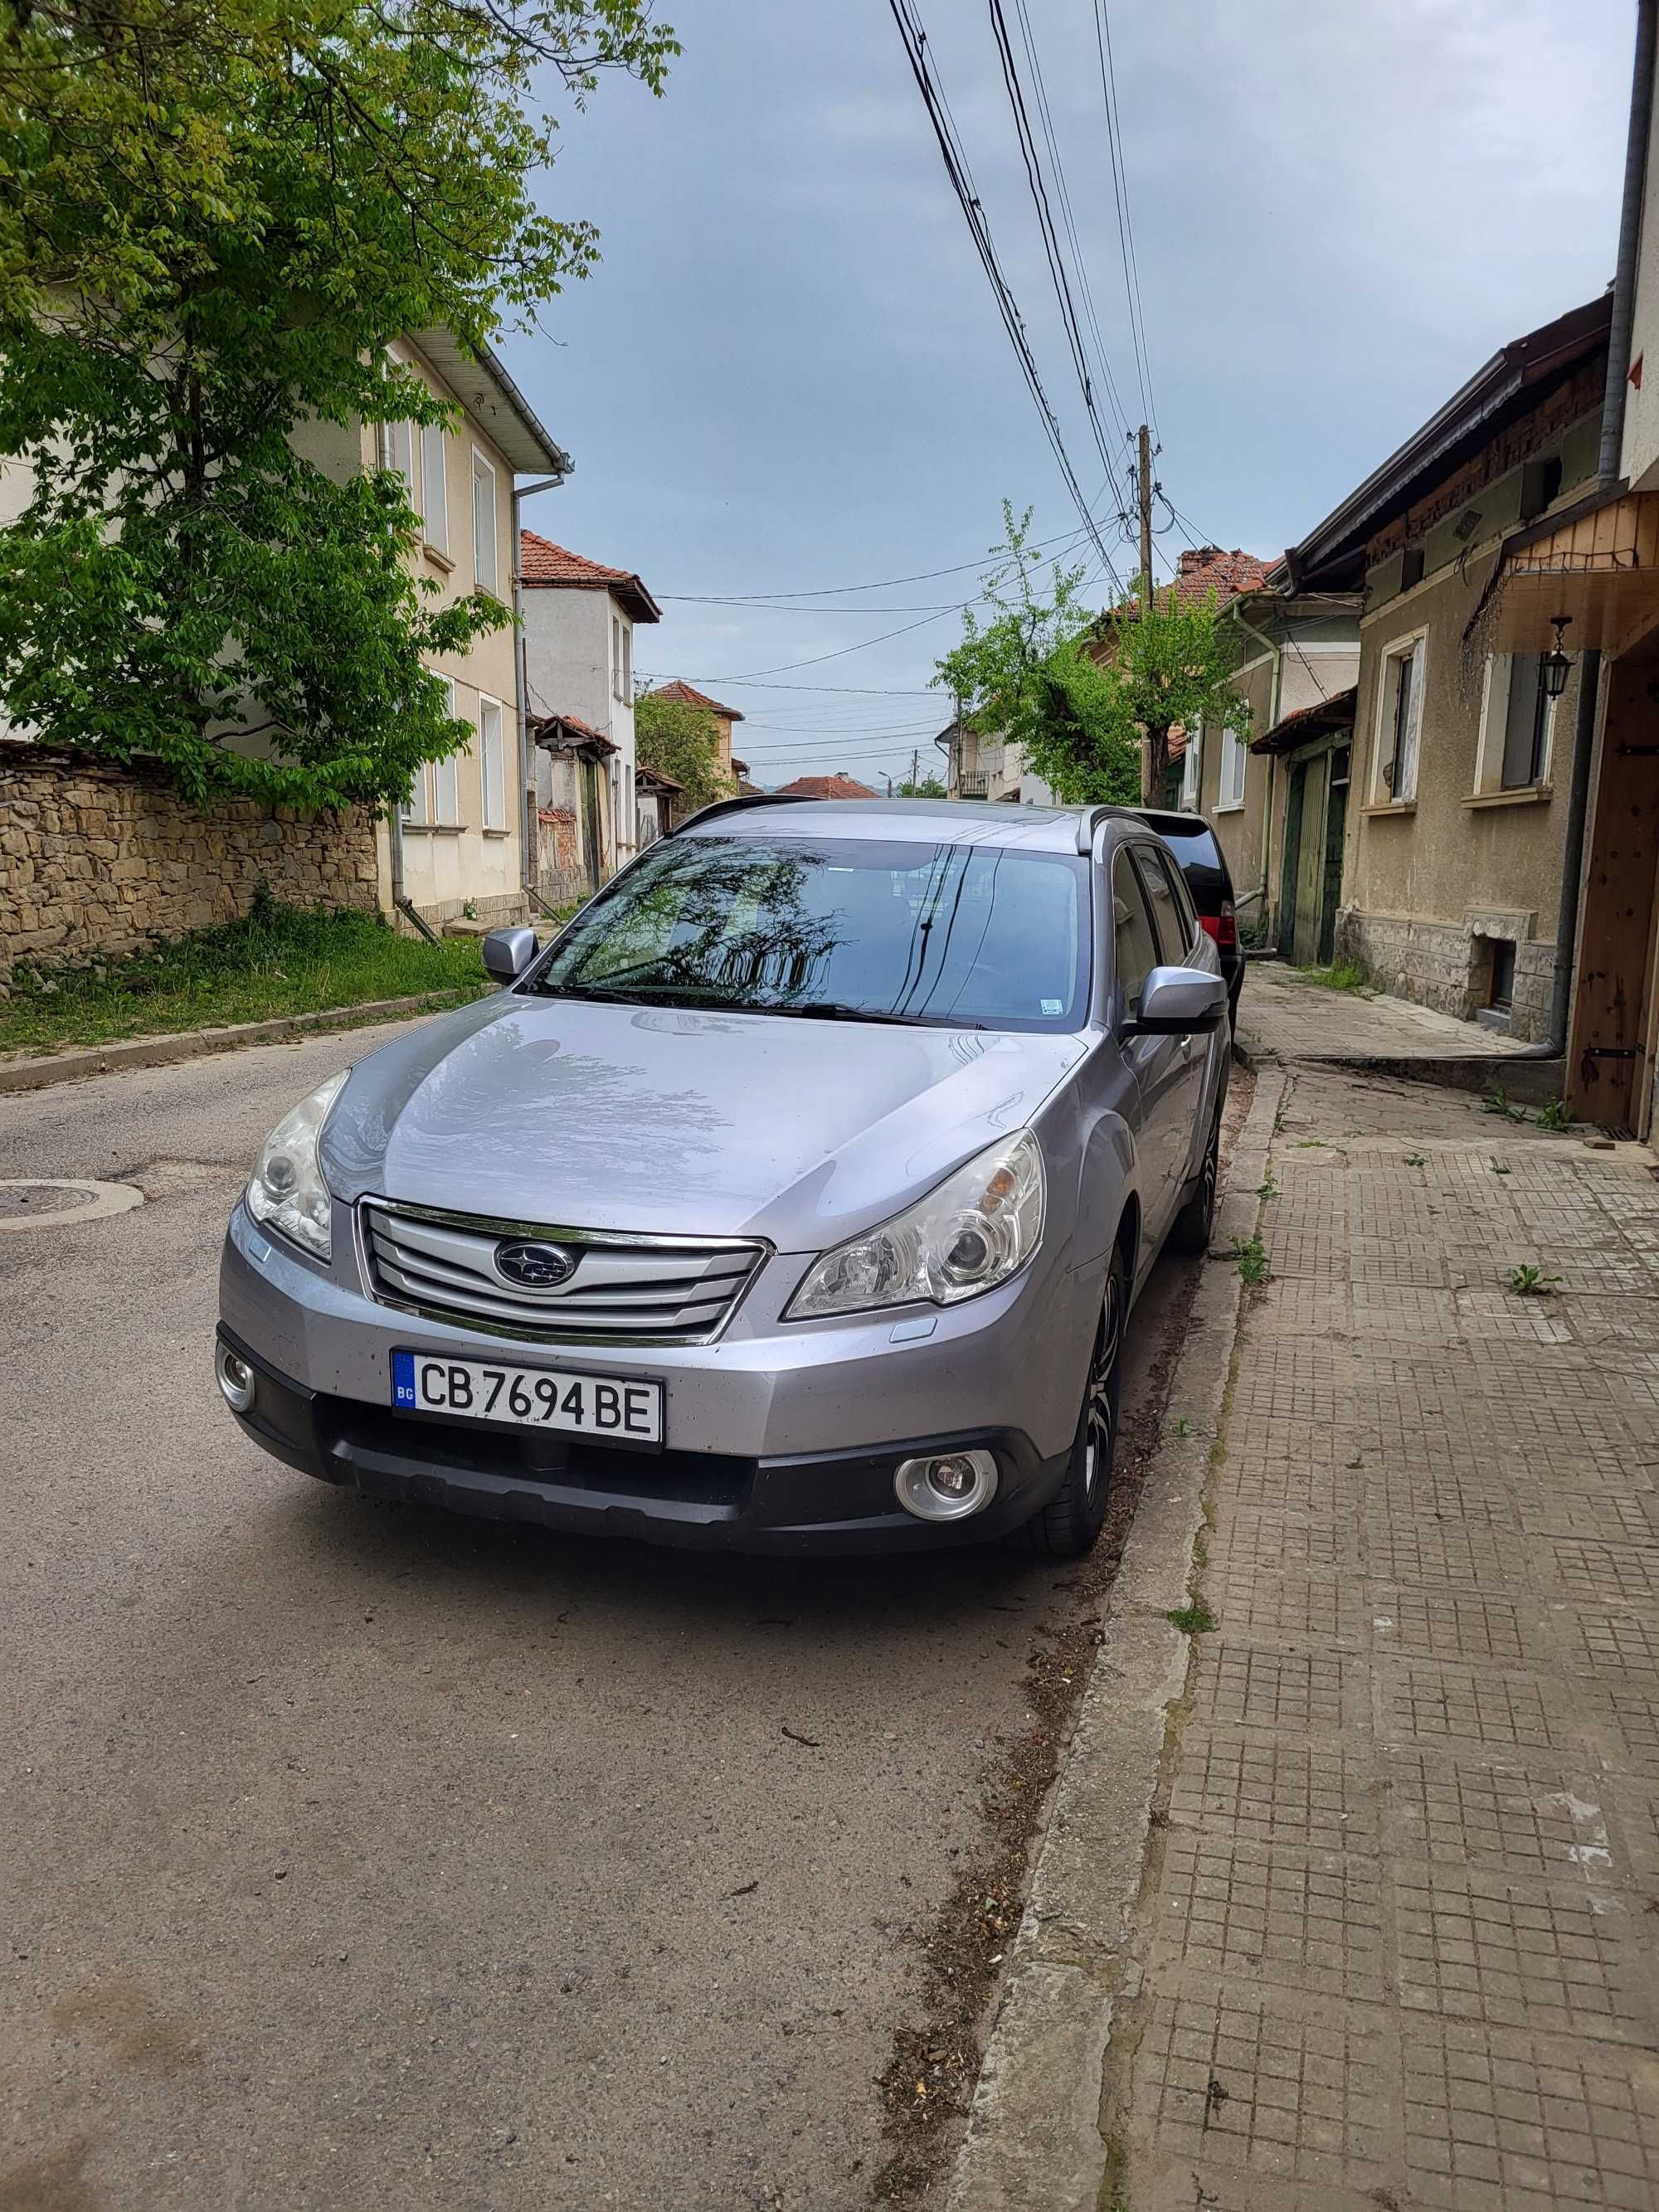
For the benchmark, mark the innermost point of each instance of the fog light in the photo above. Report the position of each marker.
(235, 1379)
(948, 1486)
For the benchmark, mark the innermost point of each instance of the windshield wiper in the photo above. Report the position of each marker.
(831, 1010)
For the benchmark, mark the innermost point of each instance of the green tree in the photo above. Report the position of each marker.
(1168, 665)
(683, 741)
(215, 215)
(926, 786)
(1020, 672)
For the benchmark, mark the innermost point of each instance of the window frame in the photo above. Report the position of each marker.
(448, 771)
(1124, 856)
(1497, 697)
(489, 704)
(1233, 749)
(1192, 769)
(435, 448)
(1411, 648)
(485, 468)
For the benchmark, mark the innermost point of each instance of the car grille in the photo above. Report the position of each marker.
(623, 1290)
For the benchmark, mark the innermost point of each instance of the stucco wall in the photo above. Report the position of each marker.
(569, 657)
(1423, 881)
(97, 860)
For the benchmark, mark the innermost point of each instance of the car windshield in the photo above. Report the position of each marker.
(965, 936)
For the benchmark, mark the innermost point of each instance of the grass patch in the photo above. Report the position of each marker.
(277, 959)
(1251, 1255)
(1341, 976)
(1555, 1115)
(1193, 1619)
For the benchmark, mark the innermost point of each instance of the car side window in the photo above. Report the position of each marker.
(1166, 914)
(1137, 943)
(1183, 901)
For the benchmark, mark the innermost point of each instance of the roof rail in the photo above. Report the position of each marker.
(745, 799)
(1090, 822)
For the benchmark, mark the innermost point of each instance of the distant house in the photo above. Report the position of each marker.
(826, 787)
(1455, 823)
(579, 618)
(682, 694)
(659, 798)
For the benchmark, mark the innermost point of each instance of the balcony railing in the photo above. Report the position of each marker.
(972, 783)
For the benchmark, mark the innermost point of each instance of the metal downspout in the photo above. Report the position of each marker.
(1553, 1045)
(401, 902)
(1275, 691)
(528, 812)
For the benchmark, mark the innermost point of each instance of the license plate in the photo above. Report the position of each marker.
(617, 1410)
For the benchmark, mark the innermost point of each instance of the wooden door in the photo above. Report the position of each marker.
(1290, 859)
(1606, 1061)
(592, 854)
(1309, 863)
(1336, 822)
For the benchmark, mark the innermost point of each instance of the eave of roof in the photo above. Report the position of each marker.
(1307, 723)
(583, 574)
(481, 382)
(1546, 354)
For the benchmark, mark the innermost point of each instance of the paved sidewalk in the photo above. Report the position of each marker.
(1398, 1934)
(1280, 1012)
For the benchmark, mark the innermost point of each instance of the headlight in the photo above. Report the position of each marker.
(288, 1191)
(966, 1237)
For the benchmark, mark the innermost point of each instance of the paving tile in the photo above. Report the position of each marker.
(1251, 1600)
(1617, 1646)
(1294, 1542)
(1250, 1686)
(1483, 1946)
(1238, 1914)
(1427, 1701)
(1630, 1718)
(1285, 1791)
(1455, 1623)
(1236, 2080)
(1406, 1550)
(1610, 1571)
(1496, 2118)
(1546, 1821)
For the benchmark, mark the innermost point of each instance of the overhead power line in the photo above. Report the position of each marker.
(915, 39)
(1125, 236)
(883, 584)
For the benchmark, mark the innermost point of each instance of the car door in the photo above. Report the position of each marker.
(1177, 930)
(1159, 1069)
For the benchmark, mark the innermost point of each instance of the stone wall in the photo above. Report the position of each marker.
(96, 859)
(1447, 965)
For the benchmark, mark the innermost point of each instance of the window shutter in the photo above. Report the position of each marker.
(492, 765)
(483, 525)
(1524, 724)
(434, 485)
(1406, 770)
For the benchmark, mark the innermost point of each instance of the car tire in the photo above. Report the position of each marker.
(1196, 1222)
(1068, 1525)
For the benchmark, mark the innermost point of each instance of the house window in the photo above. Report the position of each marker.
(1518, 720)
(627, 692)
(1191, 766)
(485, 570)
(396, 451)
(435, 480)
(1400, 719)
(446, 782)
(616, 657)
(492, 763)
(1232, 769)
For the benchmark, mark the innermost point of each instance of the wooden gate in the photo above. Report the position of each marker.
(1606, 1062)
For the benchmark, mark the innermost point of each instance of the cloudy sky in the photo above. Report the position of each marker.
(787, 376)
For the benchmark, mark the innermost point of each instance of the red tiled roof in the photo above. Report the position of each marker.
(655, 779)
(684, 695)
(1206, 570)
(567, 732)
(826, 787)
(543, 565)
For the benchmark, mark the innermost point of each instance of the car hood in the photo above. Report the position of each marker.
(664, 1121)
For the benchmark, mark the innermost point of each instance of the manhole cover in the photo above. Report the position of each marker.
(43, 1202)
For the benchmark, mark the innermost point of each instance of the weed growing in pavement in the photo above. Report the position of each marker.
(1497, 1101)
(1555, 1116)
(1341, 976)
(1269, 1188)
(1417, 1159)
(1251, 1255)
(1183, 1426)
(1529, 1281)
(1193, 1619)
(1358, 1460)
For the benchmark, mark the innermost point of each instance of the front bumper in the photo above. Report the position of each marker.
(837, 1502)
(780, 1437)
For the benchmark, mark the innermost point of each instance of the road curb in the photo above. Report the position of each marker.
(1033, 2140)
(19, 1073)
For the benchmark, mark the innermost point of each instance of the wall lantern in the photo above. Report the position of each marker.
(1556, 667)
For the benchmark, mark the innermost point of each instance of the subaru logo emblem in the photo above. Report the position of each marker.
(535, 1267)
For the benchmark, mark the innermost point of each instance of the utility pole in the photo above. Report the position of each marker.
(915, 767)
(1157, 741)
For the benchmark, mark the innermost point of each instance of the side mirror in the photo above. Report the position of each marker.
(1179, 1002)
(508, 952)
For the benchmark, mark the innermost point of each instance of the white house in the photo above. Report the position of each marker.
(579, 618)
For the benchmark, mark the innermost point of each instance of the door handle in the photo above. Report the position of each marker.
(1186, 1046)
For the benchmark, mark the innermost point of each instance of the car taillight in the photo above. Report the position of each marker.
(1223, 927)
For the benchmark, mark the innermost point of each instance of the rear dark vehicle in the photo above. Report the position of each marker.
(1203, 864)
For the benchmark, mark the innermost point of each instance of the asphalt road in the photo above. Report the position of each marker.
(357, 1856)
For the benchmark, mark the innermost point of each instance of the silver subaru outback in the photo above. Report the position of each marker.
(796, 1196)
